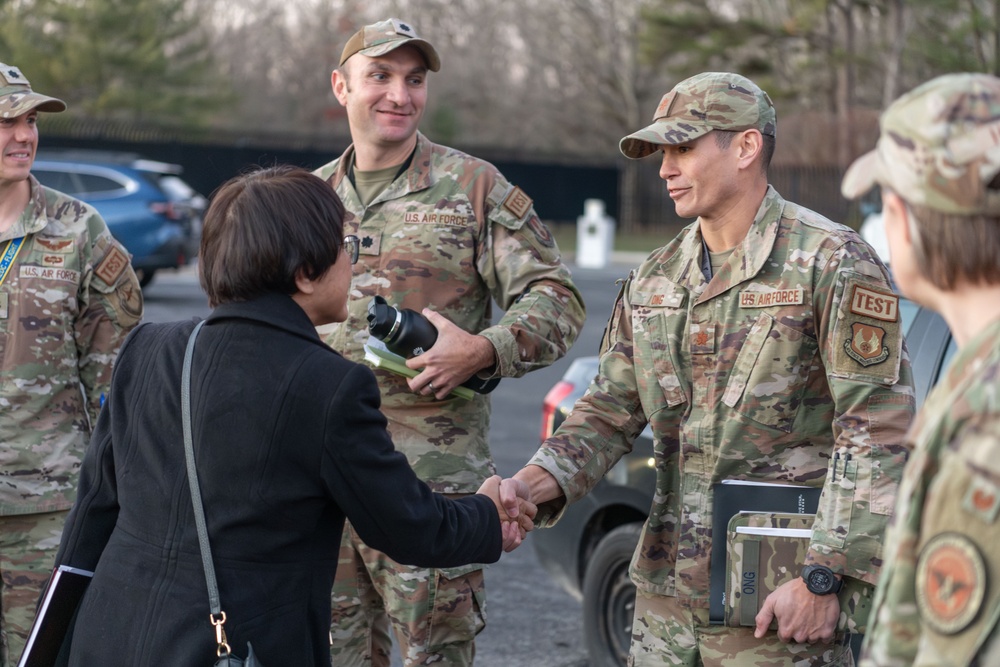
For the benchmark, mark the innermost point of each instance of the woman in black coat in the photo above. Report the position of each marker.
(288, 440)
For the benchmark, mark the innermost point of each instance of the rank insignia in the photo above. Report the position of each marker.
(865, 345)
(951, 583)
(982, 500)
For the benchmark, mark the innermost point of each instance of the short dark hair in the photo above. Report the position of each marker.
(950, 248)
(724, 139)
(263, 228)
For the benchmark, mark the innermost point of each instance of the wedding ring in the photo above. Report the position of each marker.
(431, 385)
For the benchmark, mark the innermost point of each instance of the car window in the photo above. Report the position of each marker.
(94, 184)
(907, 311)
(57, 180)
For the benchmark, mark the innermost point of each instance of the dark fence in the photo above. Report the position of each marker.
(632, 190)
(816, 188)
(558, 190)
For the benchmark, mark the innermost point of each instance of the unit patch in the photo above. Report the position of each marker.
(112, 266)
(874, 304)
(951, 583)
(779, 297)
(866, 346)
(517, 202)
(541, 232)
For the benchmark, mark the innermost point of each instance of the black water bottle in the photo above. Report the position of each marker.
(408, 333)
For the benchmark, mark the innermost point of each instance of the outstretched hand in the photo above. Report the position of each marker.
(514, 507)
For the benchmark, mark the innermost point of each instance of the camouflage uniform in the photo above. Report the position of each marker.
(69, 299)
(938, 597)
(449, 233)
(791, 353)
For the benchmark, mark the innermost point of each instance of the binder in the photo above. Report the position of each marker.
(55, 616)
(731, 497)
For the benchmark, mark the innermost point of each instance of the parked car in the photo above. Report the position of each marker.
(148, 208)
(588, 551)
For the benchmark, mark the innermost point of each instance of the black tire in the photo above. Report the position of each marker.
(609, 597)
(145, 276)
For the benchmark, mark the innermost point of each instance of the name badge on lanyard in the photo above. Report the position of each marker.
(6, 261)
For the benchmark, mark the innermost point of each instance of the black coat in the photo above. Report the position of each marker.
(288, 440)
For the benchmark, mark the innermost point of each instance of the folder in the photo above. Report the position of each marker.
(55, 616)
(379, 356)
(730, 497)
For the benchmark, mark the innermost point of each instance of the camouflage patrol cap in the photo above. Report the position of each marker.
(17, 98)
(939, 147)
(700, 104)
(380, 38)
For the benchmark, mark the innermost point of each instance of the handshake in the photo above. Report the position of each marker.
(512, 498)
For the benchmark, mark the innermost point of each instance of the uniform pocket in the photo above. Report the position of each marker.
(836, 504)
(655, 372)
(458, 611)
(770, 373)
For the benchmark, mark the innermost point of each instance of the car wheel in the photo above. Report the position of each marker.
(145, 276)
(609, 597)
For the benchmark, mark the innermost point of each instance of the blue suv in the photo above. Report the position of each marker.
(139, 199)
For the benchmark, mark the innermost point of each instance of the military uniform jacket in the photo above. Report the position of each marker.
(938, 600)
(757, 374)
(449, 234)
(68, 300)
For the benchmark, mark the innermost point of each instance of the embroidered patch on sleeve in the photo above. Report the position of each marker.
(874, 304)
(951, 583)
(112, 266)
(867, 340)
(517, 202)
(541, 232)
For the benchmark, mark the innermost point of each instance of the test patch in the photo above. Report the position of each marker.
(874, 304)
(867, 339)
(517, 203)
(112, 266)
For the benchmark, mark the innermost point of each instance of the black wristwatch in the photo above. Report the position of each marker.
(820, 580)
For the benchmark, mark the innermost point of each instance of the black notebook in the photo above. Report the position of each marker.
(52, 622)
(734, 496)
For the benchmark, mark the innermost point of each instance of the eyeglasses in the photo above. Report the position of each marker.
(352, 246)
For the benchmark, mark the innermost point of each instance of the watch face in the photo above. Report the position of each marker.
(820, 581)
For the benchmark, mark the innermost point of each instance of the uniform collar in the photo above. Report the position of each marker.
(419, 175)
(748, 258)
(33, 219)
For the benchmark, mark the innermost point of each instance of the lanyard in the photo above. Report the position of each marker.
(9, 255)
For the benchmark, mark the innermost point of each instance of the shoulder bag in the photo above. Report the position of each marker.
(217, 616)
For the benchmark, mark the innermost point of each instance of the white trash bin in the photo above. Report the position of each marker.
(595, 236)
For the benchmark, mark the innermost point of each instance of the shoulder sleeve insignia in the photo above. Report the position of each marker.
(866, 344)
(112, 265)
(874, 304)
(517, 203)
(951, 583)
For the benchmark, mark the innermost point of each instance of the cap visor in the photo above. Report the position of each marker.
(861, 176)
(425, 48)
(649, 139)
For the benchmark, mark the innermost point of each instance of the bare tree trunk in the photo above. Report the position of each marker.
(897, 21)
